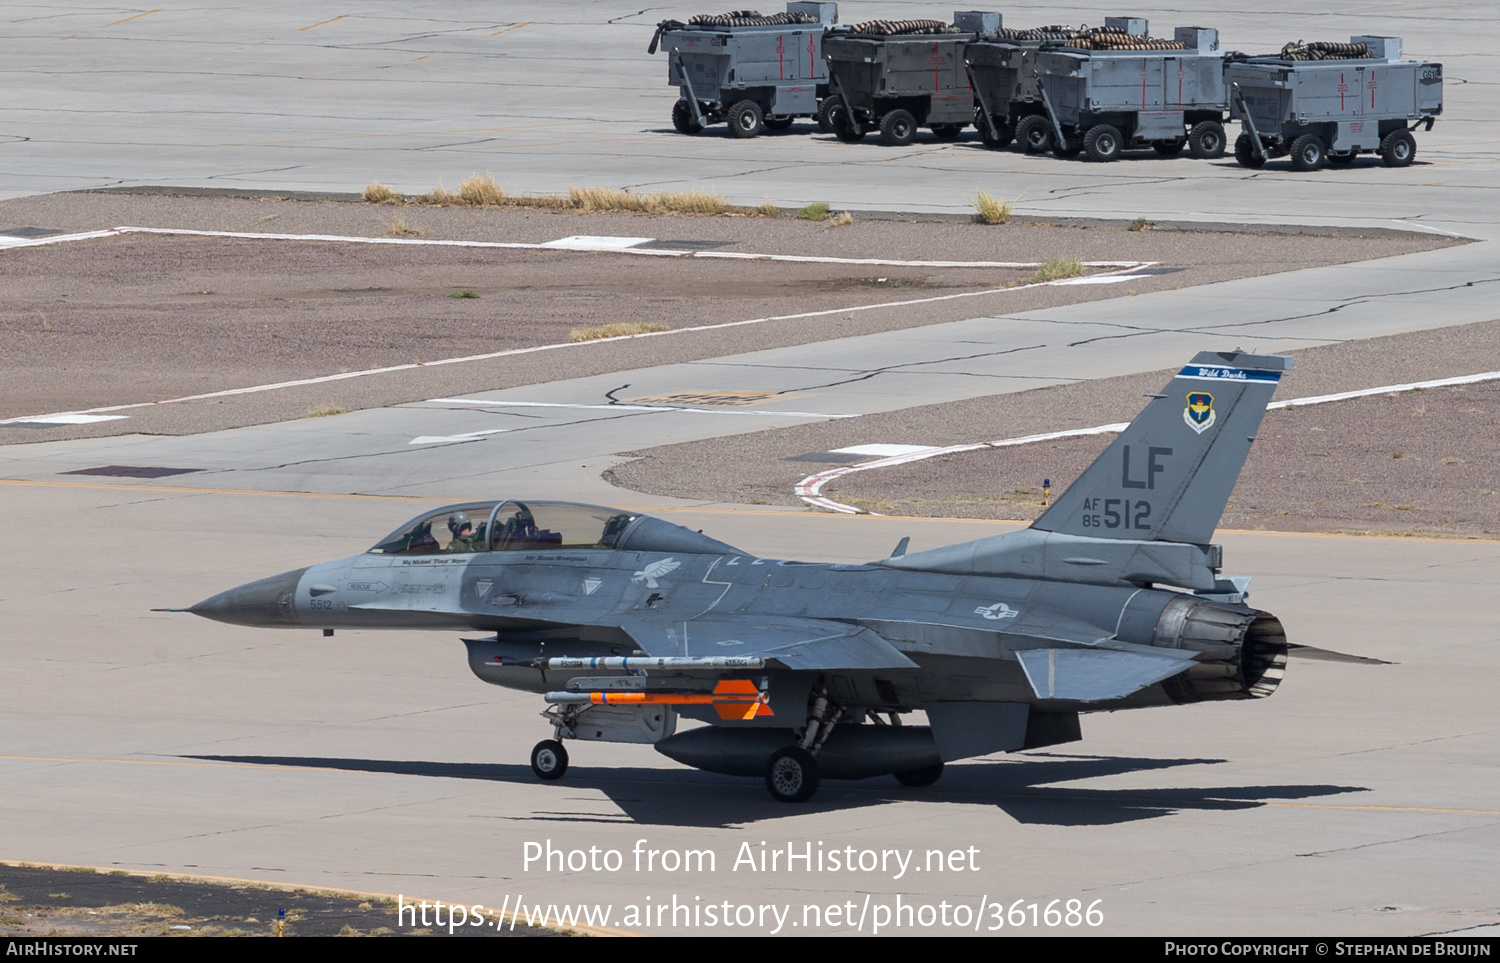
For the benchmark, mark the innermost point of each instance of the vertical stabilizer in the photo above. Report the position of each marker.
(1168, 476)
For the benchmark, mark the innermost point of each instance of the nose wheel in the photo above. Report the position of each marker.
(549, 760)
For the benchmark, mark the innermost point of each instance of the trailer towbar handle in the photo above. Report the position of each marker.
(692, 97)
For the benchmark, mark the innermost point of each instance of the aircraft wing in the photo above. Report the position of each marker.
(796, 643)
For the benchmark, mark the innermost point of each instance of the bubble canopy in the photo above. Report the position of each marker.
(531, 526)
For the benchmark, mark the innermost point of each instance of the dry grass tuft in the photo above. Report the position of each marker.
(464, 293)
(594, 199)
(399, 228)
(621, 329)
(480, 190)
(840, 220)
(440, 196)
(768, 210)
(377, 193)
(1057, 269)
(992, 210)
(325, 412)
(1139, 224)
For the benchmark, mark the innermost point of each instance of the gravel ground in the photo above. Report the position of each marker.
(143, 318)
(1420, 462)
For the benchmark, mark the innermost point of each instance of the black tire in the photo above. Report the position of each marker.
(549, 760)
(1102, 143)
(683, 119)
(1244, 153)
(1206, 140)
(1070, 147)
(1034, 134)
(898, 127)
(746, 119)
(925, 776)
(846, 127)
(779, 123)
(1341, 160)
(792, 775)
(1169, 148)
(998, 139)
(947, 131)
(1308, 153)
(824, 126)
(1398, 148)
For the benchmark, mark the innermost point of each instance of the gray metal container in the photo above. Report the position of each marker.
(752, 77)
(1333, 110)
(1165, 99)
(899, 83)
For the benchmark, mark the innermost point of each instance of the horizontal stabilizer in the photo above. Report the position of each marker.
(1315, 654)
(794, 642)
(1095, 675)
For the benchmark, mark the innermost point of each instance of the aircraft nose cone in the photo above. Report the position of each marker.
(267, 602)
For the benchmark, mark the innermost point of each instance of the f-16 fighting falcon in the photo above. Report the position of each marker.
(625, 624)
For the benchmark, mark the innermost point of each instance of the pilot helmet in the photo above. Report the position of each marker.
(457, 522)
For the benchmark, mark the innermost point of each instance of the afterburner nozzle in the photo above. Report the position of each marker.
(267, 602)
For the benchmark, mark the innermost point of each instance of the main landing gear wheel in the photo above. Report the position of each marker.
(549, 760)
(792, 775)
(925, 776)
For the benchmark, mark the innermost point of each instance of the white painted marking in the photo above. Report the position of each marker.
(66, 419)
(809, 488)
(1101, 279)
(594, 242)
(884, 451)
(555, 246)
(466, 436)
(482, 403)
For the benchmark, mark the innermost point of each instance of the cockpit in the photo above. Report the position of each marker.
(531, 526)
(509, 526)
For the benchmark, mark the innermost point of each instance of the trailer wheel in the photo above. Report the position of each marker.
(1206, 140)
(1341, 160)
(792, 775)
(779, 123)
(1000, 138)
(1102, 143)
(549, 760)
(1070, 147)
(846, 128)
(683, 119)
(824, 106)
(1169, 148)
(898, 127)
(1244, 152)
(1398, 148)
(947, 131)
(925, 776)
(746, 119)
(1308, 153)
(1035, 134)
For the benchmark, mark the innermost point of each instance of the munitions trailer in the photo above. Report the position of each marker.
(754, 72)
(1132, 92)
(1002, 71)
(897, 76)
(1356, 98)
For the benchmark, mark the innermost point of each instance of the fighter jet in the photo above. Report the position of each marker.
(626, 625)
